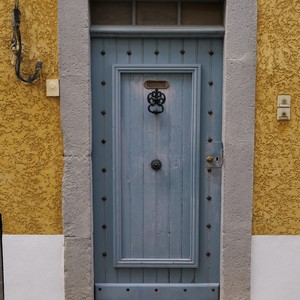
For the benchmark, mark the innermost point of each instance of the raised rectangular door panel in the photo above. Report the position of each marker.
(156, 210)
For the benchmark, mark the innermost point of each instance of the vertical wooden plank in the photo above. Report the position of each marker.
(122, 57)
(137, 112)
(216, 94)
(137, 167)
(110, 59)
(162, 136)
(150, 189)
(187, 167)
(122, 54)
(175, 210)
(149, 50)
(163, 46)
(126, 170)
(149, 57)
(214, 215)
(176, 45)
(176, 175)
(163, 125)
(136, 46)
(98, 148)
(204, 46)
(190, 47)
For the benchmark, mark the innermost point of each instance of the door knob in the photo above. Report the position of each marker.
(209, 159)
(156, 164)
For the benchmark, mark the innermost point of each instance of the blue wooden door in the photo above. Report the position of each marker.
(156, 167)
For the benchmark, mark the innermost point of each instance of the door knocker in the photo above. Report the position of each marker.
(156, 99)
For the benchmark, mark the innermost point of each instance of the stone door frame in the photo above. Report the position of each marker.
(238, 139)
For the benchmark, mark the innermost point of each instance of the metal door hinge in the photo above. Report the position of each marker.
(214, 155)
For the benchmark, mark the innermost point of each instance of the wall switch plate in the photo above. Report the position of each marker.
(283, 113)
(52, 88)
(284, 101)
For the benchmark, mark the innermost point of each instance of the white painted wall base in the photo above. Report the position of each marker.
(275, 270)
(33, 267)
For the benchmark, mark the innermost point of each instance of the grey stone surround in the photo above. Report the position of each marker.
(238, 138)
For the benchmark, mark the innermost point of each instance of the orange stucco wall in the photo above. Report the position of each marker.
(277, 143)
(30, 134)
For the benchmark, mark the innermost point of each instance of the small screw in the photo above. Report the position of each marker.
(104, 226)
(103, 82)
(212, 290)
(104, 254)
(103, 141)
(129, 52)
(185, 290)
(182, 51)
(209, 139)
(103, 52)
(208, 198)
(210, 82)
(99, 289)
(104, 198)
(209, 170)
(156, 290)
(156, 52)
(127, 290)
(211, 52)
(210, 112)
(207, 253)
(103, 112)
(208, 226)
(103, 170)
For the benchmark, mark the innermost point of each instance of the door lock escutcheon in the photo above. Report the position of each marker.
(214, 155)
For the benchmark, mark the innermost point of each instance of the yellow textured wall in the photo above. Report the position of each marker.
(277, 144)
(30, 134)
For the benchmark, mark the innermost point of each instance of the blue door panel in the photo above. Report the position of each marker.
(155, 207)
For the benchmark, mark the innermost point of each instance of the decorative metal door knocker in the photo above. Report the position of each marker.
(156, 100)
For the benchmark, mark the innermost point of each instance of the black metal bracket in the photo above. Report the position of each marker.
(156, 99)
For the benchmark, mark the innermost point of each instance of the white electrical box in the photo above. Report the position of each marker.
(283, 107)
(52, 88)
(284, 101)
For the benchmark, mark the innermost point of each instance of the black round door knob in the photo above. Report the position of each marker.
(156, 164)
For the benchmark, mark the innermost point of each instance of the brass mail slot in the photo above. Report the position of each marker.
(156, 84)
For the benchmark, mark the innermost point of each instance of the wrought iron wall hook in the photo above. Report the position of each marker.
(156, 99)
